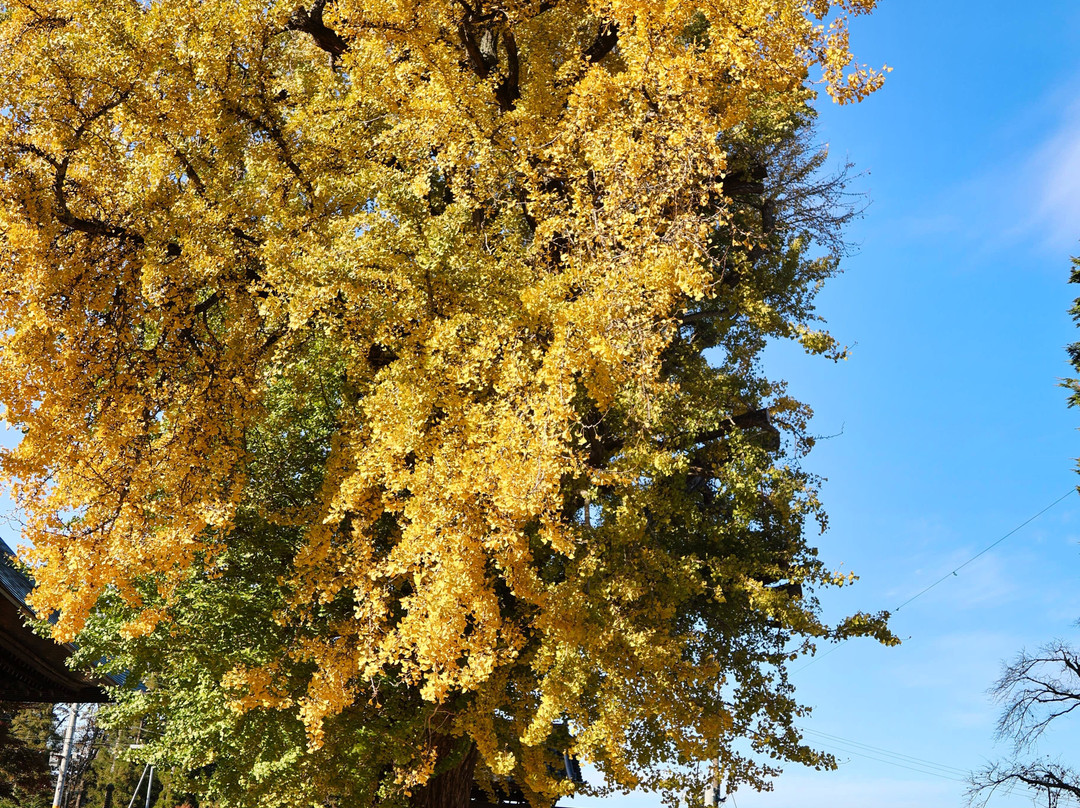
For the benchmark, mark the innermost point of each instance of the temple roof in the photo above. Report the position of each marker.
(34, 668)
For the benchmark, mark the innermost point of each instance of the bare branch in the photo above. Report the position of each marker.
(1036, 690)
(1046, 780)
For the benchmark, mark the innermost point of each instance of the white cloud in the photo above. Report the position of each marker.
(1055, 167)
(1028, 193)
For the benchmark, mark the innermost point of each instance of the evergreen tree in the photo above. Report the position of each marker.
(27, 737)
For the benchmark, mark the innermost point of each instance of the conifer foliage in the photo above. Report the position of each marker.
(390, 379)
(27, 735)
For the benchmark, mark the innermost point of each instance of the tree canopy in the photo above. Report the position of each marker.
(390, 380)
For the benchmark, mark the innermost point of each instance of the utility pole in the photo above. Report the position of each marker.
(713, 797)
(65, 755)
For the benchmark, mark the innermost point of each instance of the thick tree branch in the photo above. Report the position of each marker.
(63, 212)
(606, 40)
(480, 35)
(189, 169)
(753, 420)
(602, 445)
(311, 22)
(477, 60)
(508, 90)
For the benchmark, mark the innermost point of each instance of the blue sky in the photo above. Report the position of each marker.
(954, 428)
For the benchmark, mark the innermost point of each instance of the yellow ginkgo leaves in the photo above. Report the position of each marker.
(460, 303)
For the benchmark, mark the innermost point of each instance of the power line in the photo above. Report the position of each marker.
(915, 769)
(951, 770)
(985, 550)
(820, 657)
(953, 572)
(919, 765)
(910, 763)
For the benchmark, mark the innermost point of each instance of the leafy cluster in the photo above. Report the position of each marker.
(390, 379)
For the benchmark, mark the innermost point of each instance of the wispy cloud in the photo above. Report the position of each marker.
(1027, 193)
(1055, 169)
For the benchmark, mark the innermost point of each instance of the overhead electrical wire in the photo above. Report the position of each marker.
(951, 771)
(987, 549)
(915, 769)
(911, 763)
(953, 572)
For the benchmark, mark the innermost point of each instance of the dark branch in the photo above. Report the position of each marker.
(602, 446)
(480, 35)
(756, 423)
(753, 420)
(189, 169)
(240, 234)
(509, 89)
(64, 215)
(276, 135)
(480, 65)
(206, 305)
(1036, 690)
(30, 148)
(311, 22)
(379, 356)
(1046, 777)
(606, 40)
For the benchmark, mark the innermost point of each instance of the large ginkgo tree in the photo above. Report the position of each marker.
(390, 381)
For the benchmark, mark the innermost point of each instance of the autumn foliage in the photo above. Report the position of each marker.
(433, 330)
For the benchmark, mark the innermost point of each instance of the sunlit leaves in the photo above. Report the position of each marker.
(415, 298)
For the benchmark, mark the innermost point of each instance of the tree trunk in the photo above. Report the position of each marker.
(451, 787)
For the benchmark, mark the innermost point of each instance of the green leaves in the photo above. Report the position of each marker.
(403, 364)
